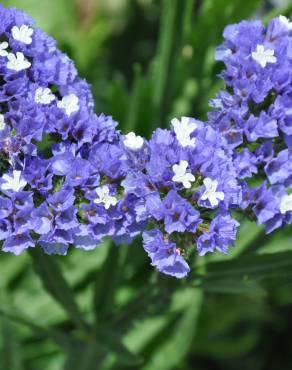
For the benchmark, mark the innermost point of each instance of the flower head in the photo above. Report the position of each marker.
(44, 95)
(181, 175)
(210, 192)
(70, 103)
(183, 129)
(22, 34)
(103, 196)
(263, 56)
(86, 180)
(17, 62)
(49, 170)
(133, 141)
(13, 182)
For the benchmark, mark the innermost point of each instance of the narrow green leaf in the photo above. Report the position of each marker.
(233, 286)
(12, 268)
(251, 266)
(105, 282)
(151, 326)
(107, 347)
(54, 282)
(57, 336)
(113, 346)
(83, 357)
(170, 42)
(170, 352)
(133, 308)
(133, 104)
(10, 354)
(117, 98)
(278, 241)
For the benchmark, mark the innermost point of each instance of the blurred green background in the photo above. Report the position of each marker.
(148, 61)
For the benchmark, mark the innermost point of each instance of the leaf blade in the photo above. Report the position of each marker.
(54, 282)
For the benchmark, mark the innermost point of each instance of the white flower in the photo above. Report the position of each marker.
(286, 203)
(17, 62)
(43, 95)
(180, 174)
(2, 123)
(69, 103)
(183, 129)
(133, 142)
(104, 196)
(22, 34)
(285, 21)
(263, 56)
(14, 182)
(210, 192)
(3, 47)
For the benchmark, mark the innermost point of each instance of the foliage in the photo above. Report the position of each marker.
(107, 309)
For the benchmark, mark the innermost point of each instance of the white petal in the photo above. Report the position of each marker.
(286, 203)
(220, 195)
(133, 142)
(187, 184)
(263, 56)
(208, 182)
(213, 200)
(17, 62)
(22, 34)
(70, 103)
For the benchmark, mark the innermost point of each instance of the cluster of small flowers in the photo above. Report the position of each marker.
(56, 154)
(186, 184)
(68, 176)
(254, 114)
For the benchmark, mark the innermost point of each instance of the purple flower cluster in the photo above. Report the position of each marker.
(187, 186)
(60, 163)
(254, 114)
(69, 178)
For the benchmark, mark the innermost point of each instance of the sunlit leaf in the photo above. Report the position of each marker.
(53, 281)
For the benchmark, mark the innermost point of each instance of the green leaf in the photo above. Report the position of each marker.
(175, 17)
(12, 268)
(117, 98)
(233, 286)
(57, 336)
(170, 352)
(251, 266)
(106, 280)
(112, 345)
(151, 327)
(83, 357)
(278, 241)
(10, 353)
(106, 348)
(133, 104)
(53, 281)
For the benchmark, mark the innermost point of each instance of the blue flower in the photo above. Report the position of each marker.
(17, 243)
(164, 255)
